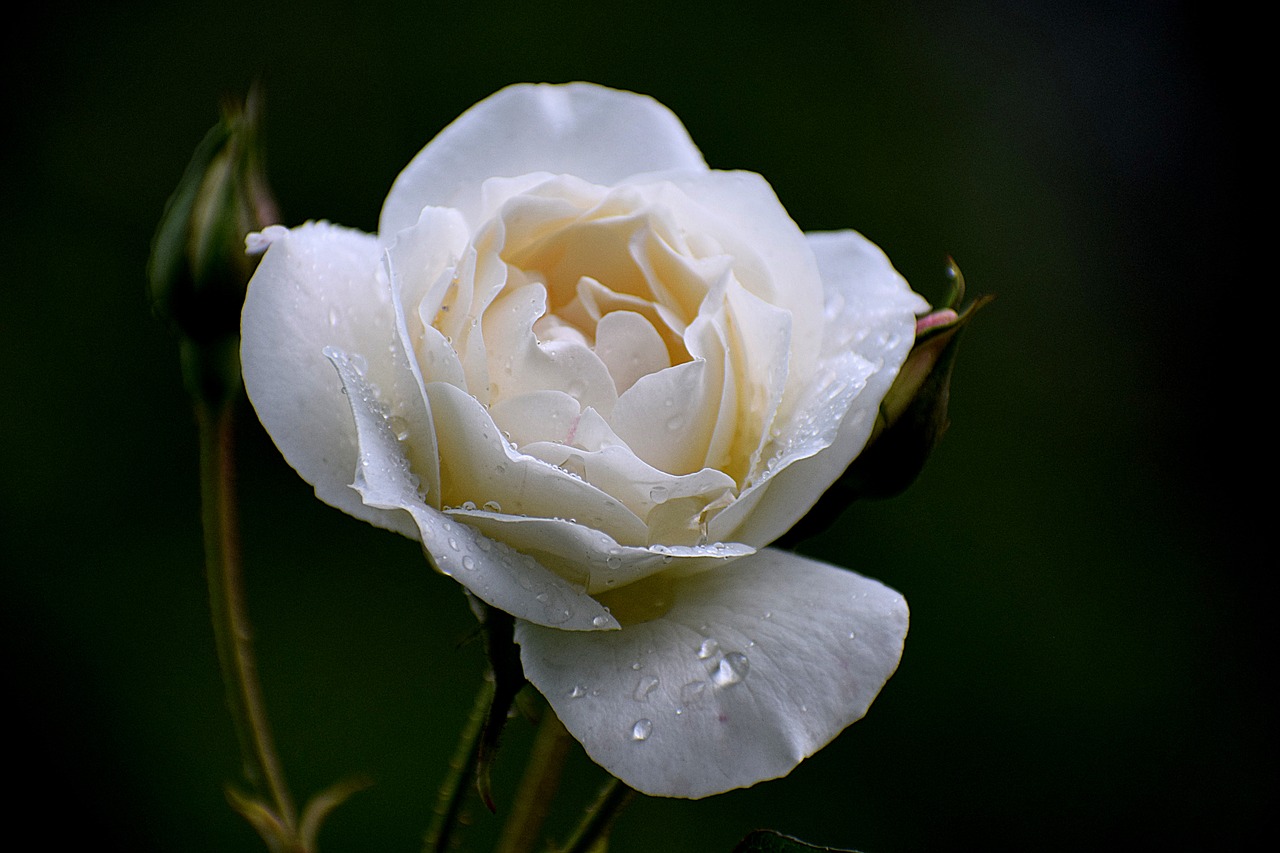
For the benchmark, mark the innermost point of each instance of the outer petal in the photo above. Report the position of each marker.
(597, 134)
(509, 581)
(591, 559)
(318, 286)
(870, 325)
(755, 667)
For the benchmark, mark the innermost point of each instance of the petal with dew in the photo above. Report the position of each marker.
(869, 329)
(754, 667)
(590, 559)
(321, 285)
(498, 575)
(478, 466)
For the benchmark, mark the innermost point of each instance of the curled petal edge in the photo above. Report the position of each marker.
(495, 573)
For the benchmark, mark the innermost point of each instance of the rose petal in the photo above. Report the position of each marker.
(478, 466)
(320, 285)
(665, 417)
(675, 507)
(630, 348)
(519, 363)
(592, 560)
(513, 582)
(597, 134)
(754, 667)
(771, 257)
(870, 327)
(420, 262)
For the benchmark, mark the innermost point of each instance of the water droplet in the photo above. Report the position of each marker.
(453, 543)
(642, 729)
(492, 506)
(636, 665)
(399, 426)
(468, 505)
(333, 317)
(359, 363)
(468, 563)
(692, 692)
(658, 494)
(614, 562)
(577, 692)
(675, 422)
(732, 669)
(483, 544)
(708, 648)
(645, 687)
(600, 621)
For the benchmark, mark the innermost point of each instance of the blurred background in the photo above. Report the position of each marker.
(1085, 656)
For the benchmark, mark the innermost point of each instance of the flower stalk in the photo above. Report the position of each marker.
(598, 819)
(537, 788)
(462, 767)
(232, 631)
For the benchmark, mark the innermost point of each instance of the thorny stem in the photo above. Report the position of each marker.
(541, 777)
(454, 789)
(599, 817)
(227, 604)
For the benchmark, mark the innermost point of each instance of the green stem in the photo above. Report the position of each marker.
(537, 787)
(453, 791)
(599, 817)
(227, 604)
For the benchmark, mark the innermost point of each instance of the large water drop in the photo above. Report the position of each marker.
(732, 669)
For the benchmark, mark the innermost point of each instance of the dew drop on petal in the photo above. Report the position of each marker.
(600, 621)
(468, 563)
(708, 648)
(577, 692)
(333, 317)
(732, 669)
(692, 692)
(468, 505)
(645, 687)
(642, 729)
(492, 506)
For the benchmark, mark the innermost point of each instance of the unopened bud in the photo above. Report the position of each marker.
(198, 268)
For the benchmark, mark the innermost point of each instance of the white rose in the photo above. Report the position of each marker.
(595, 379)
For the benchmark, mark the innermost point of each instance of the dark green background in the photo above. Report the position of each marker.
(1085, 657)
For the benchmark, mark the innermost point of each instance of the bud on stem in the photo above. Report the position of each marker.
(198, 269)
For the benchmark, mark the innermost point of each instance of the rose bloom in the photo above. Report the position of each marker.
(595, 379)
